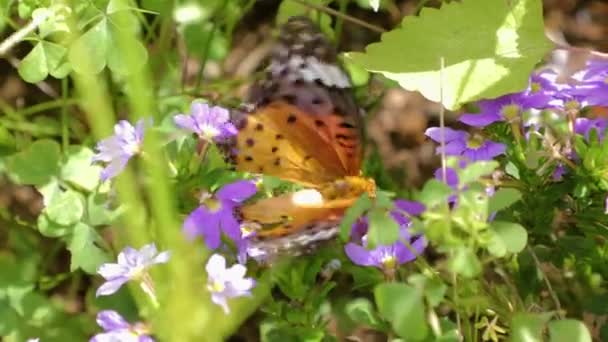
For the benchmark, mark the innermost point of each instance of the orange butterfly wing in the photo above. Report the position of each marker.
(280, 140)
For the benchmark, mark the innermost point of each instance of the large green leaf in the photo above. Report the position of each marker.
(527, 327)
(569, 330)
(44, 59)
(78, 169)
(88, 52)
(489, 48)
(509, 237)
(35, 165)
(85, 252)
(403, 306)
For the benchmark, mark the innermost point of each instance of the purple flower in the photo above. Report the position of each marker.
(132, 265)
(210, 123)
(584, 126)
(596, 69)
(116, 328)
(460, 143)
(216, 214)
(559, 172)
(225, 283)
(387, 256)
(119, 148)
(509, 107)
(593, 82)
(451, 177)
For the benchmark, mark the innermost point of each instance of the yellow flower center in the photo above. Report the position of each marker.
(510, 111)
(572, 105)
(212, 204)
(535, 87)
(475, 142)
(216, 286)
(389, 261)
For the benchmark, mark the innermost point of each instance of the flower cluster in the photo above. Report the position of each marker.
(387, 257)
(544, 93)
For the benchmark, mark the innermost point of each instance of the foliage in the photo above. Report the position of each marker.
(515, 243)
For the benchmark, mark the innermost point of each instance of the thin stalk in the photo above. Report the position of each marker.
(53, 104)
(214, 26)
(343, 16)
(19, 35)
(552, 293)
(28, 127)
(65, 126)
(340, 21)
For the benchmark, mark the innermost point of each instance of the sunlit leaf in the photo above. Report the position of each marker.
(509, 237)
(568, 330)
(489, 48)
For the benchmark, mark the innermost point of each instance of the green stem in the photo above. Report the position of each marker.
(28, 127)
(340, 20)
(205, 58)
(65, 126)
(44, 106)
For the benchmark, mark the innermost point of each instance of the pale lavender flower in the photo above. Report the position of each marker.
(119, 148)
(606, 205)
(117, 329)
(225, 283)
(461, 143)
(132, 265)
(209, 123)
(37, 339)
(217, 214)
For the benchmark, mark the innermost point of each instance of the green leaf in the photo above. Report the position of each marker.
(434, 289)
(503, 198)
(87, 54)
(98, 213)
(44, 59)
(473, 172)
(116, 59)
(568, 330)
(85, 253)
(9, 319)
(362, 311)
(508, 237)
(463, 261)
(489, 48)
(78, 169)
(383, 230)
(49, 228)
(66, 208)
(35, 165)
(526, 327)
(361, 205)
(434, 192)
(402, 305)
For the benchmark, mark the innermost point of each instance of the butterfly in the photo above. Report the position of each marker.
(305, 128)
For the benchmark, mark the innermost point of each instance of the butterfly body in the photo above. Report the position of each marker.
(305, 128)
